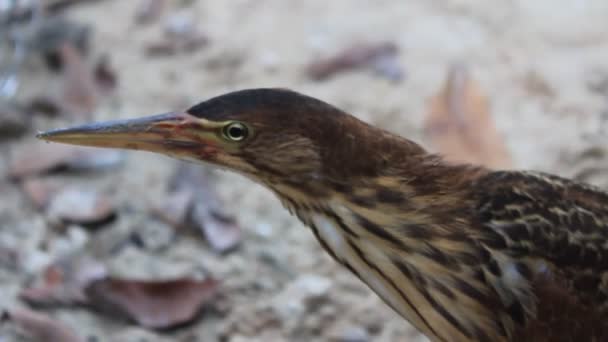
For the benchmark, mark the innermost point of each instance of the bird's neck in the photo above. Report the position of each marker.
(398, 233)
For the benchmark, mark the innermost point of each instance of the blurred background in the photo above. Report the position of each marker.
(102, 245)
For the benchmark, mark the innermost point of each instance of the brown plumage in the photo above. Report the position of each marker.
(462, 252)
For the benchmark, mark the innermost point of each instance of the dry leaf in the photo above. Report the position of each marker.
(155, 304)
(175, 208)
(221, 229)
(64, 282)
(39, 191)
(380, 56)
(40, 327)
(460, 124)
(152, 304)
(40, 158)
(79, 91)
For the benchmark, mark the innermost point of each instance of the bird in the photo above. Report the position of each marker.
(460, 251)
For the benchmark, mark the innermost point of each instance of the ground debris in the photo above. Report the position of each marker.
(193, 201)
(14, 122)
(175, 208)
(55, 32)
(301, 297)
(180, 36)
(380, 57)
(156, 304)
(41, 158)
(348, 334)
(9, 257)
(64, 282)
(153, 235)
(149, 11)
(460, 125)
(79, 94)
(81, 206)
(40, 191)
(588, 164)
(40, 327)
(27, 9)
(105, 77)
(245, 323)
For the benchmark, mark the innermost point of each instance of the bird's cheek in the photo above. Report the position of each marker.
(208, 152)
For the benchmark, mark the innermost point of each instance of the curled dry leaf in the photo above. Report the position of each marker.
(460, 125)
(152, 304)
(41, 158)
(74, 205)
(191, 182)
(64, 282)
(157, 304)
(79, 91)
(40, 327)
(379, 56)
(39, 191)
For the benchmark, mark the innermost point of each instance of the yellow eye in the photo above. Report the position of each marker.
(235, 131)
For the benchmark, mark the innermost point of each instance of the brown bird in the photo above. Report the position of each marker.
(462, 252)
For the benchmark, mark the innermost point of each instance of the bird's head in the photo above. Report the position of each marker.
(271, 135)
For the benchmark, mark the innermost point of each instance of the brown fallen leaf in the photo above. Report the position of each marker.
(374, 55)
(40, 327)
(84, 281)
(152, 304)
(460, 125)
(79, 92)
(41, 158)
(39, 191)
(207, 214)
(64, 282)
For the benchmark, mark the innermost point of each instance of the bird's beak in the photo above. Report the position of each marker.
(175, 134)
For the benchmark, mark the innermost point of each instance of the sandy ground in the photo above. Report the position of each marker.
(538, 61)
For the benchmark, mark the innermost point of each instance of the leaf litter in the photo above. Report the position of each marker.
(460, 126)
(39, 326)
(192, 201)
(154, 304)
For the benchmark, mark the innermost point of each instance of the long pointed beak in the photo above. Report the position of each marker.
(176, 134)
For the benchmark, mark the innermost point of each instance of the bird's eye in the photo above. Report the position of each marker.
(235, 131)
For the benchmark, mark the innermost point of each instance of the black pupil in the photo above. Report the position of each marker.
(236, 132)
